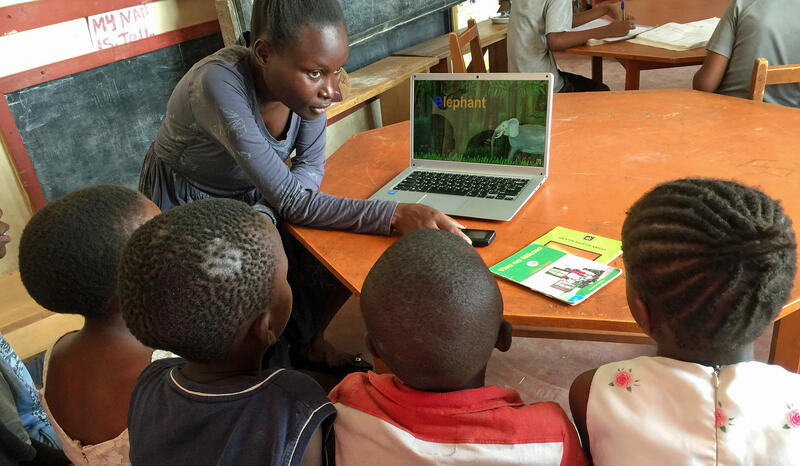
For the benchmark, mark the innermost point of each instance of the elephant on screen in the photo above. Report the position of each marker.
(525, 138)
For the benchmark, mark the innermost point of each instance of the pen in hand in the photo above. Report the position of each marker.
(623, 10)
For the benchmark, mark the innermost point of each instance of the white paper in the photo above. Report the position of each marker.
(676, 36)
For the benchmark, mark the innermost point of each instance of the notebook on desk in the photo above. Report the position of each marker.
(480, 143)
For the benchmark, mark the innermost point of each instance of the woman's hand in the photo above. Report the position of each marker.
(410, 217)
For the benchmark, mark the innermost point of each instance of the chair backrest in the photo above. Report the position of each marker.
(763, 75)
(457, 43)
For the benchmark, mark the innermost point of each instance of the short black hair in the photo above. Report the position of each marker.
(715, 259)
(282, 21)
(434, 308)
(192, 276)
(70, 249)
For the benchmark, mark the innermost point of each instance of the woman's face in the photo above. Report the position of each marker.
(304, 75)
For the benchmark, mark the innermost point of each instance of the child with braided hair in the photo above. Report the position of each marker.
(709, 264)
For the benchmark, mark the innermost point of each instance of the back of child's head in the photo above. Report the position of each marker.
(433, 310)
(70, 249)
(282, 21)
(192, 277)
(713, 259)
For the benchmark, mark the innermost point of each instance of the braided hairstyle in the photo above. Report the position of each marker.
(282, 21)
(714, 259)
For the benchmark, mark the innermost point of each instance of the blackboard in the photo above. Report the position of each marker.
(376, 28)
(96, 126)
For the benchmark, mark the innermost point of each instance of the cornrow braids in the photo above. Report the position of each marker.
(282, 21)
(714, 258)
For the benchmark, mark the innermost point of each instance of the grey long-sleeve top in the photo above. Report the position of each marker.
(213, 143)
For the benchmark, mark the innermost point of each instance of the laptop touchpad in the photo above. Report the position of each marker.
(443, 202)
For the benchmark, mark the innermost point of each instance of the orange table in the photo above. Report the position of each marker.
(493, 38)
(635, 57)
(597, 172)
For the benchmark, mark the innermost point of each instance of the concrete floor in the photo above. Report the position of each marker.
(542, 369)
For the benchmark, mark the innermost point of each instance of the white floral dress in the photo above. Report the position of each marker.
(654, 410)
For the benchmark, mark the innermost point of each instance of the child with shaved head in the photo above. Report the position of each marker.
(434, 314)
(207, 280)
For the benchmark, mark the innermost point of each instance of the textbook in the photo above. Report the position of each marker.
(593, 247)
(554, 273)
(676, 36)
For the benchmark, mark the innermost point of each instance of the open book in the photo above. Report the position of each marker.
(675, 36)
(600, 22)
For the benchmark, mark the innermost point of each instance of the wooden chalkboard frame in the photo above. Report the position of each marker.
(19, 154)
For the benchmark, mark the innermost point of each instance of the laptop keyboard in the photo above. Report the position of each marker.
(489, 187)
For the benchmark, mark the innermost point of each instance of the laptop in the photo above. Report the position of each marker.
(480, 143)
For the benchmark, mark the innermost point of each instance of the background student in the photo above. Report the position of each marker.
(751, 29)
(232, 122)
(709, 264)
(434, 314)
(537, 28)
(219, 301)
(68, 259)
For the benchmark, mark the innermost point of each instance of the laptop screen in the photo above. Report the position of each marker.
(491, 121)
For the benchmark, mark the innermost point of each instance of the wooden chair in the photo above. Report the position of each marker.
(763, 74)
(457, 43)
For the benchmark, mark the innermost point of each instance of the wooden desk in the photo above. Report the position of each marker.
(390, 76)
(27, 327)
(597, 172)
(493, 38)
(636, 57)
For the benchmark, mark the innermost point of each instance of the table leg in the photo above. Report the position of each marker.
(442, 67)
(785, 349)
(632, 71)
(498, 57)
(597, 69)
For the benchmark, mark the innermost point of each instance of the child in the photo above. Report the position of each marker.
(232, 122)
(752, 29)
(68, 258)
(207, 281)
(709, 263)
(539, 27)
(434, 313)
(25, 431)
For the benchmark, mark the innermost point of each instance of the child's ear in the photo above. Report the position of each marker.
(262, 329)
(503, 342)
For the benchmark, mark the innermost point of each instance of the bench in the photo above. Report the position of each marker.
(493, 38)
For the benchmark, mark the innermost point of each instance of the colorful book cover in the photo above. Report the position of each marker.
(554, 273)
(586, 245)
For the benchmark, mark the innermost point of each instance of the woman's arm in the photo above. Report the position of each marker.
(220, 104)
(308, 164)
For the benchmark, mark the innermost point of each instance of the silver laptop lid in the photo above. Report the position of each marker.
(482, 122)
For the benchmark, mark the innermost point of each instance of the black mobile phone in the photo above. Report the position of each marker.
(480, 238)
